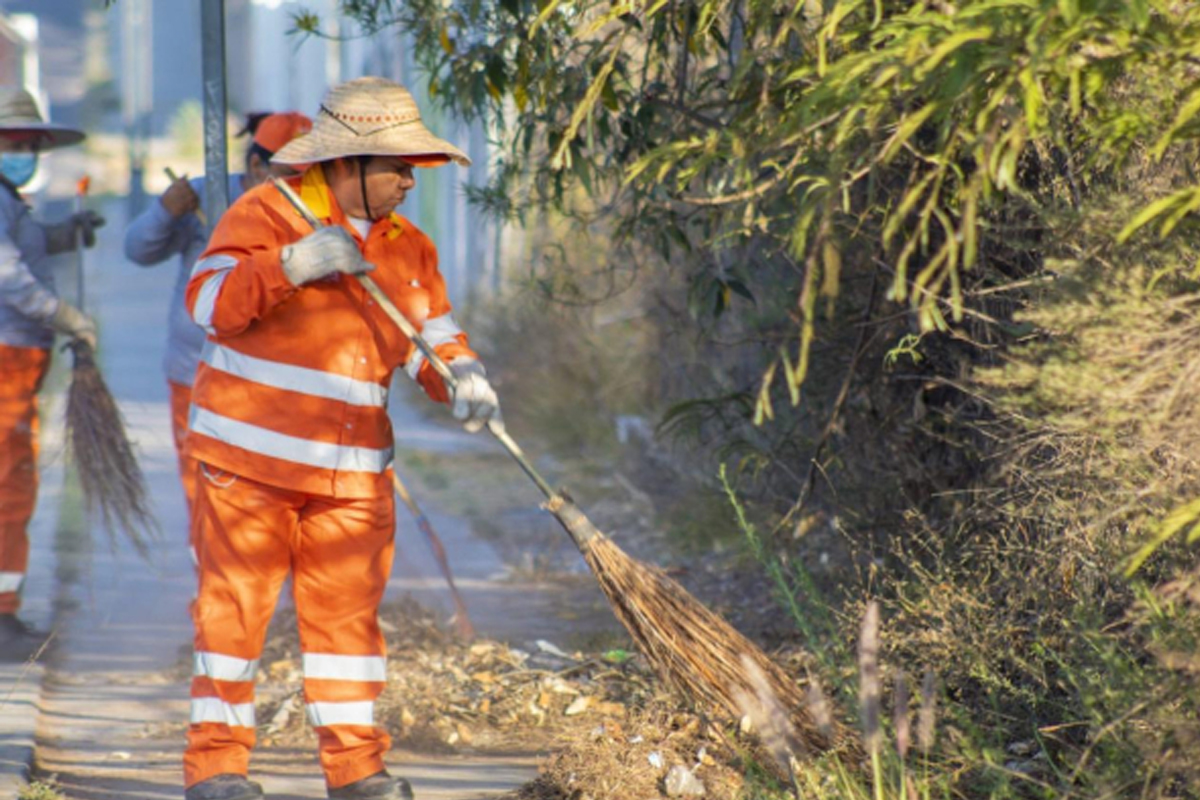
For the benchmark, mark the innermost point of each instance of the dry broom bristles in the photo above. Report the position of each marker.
(109, 474)
(692, 648)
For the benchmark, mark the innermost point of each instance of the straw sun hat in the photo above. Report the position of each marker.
(19, 116)
(368, 117)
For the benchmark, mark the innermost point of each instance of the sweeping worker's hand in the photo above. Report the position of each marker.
(324, 252)
(180, 198)
(70, 321)
(64, 236)
(473, 400)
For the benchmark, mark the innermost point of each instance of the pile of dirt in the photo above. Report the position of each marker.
(655, 750)
(444, 695)
(611, 730)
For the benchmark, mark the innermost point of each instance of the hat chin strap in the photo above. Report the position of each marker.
(362, 184)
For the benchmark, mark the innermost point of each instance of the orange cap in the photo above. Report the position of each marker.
(278, 129)
(434, 160)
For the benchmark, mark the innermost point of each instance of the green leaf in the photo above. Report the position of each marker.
(1188, 110)
(949, 46)
(1179, 518)
(909, 125)
(1155, 210)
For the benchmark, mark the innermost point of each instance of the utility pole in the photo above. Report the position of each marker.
(216, 141)
(137, 88)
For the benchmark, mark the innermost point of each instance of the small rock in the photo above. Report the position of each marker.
(579, 705)
(549, 647)
(682, 782)
(655, 759)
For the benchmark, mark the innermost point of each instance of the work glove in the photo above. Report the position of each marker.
(473, 400)
(65, 235)
(70, 321)
(324, 252)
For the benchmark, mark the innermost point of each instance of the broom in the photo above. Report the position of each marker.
(109, 474)
(689, 646)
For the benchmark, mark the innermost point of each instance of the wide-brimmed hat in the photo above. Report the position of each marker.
(368, 117)
(19, 115)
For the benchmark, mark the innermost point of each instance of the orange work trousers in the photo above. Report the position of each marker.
(22, 370)
(181, 402)
(248, 536)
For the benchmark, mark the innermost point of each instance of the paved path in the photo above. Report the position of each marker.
(108, 715)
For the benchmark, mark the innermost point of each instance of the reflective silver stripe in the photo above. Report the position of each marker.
(213, 709)
(439, 330)
(222, 667)
(11, 581)
(361, 712)
(288, 448)
(206, 302)
(217, 262)
(327, 666)
(296, 379)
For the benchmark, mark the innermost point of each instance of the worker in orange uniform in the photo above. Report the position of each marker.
(30, 314)
(173, 227)
(289, 423)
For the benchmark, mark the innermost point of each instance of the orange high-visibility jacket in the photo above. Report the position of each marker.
(292, 385)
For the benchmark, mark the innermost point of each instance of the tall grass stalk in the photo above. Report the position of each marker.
(816, 639)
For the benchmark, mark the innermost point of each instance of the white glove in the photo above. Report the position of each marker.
(473, 399)
(70, 321)
(62, 237)
(325, 251)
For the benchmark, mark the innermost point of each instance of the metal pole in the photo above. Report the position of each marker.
(216, 161)
(138, 84)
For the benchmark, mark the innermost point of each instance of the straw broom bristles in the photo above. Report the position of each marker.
(109, 474)
(695, 650)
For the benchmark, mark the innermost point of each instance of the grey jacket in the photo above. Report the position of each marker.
(154, 237)
(27, 298)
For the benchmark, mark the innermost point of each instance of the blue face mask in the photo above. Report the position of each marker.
(18, 168)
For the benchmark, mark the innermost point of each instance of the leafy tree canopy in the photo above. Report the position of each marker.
(734, 134)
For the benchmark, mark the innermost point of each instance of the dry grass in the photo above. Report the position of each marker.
(109, 473)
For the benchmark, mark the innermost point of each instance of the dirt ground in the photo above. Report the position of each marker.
(608, 728)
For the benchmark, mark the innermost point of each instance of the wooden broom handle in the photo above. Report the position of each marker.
(408, 329)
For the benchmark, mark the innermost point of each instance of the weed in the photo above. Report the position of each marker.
(47, 789)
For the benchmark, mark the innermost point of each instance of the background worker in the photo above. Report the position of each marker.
(172, 227)
(30, 314)
(289, 421)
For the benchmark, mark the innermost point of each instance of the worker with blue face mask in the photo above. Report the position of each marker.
(30, 315)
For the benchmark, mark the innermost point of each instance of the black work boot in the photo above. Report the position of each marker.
(379, 786)
(225, 786)
(18, 641)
